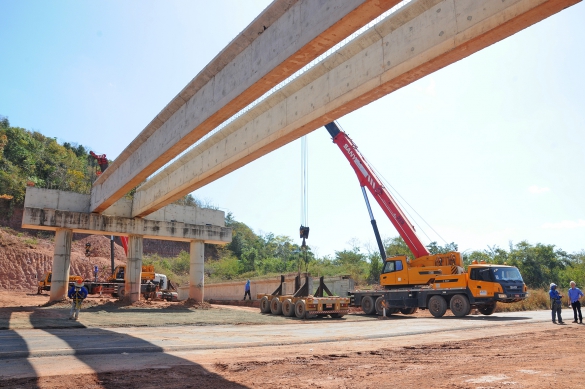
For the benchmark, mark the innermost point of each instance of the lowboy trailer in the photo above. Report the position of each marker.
(302, 304)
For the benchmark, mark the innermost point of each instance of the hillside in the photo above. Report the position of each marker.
(23, 258)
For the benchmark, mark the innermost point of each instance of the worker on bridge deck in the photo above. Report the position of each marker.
(77, 293)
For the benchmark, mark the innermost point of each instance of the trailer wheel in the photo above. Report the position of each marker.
(408, 311)
(368, 305)
(264, 305)
(300, 309)
(380, 307)
(276, 306)
(460, 305)
(487, 309)
(288, 308)
(437, 306)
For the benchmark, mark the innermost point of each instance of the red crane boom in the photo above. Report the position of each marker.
(368, 178)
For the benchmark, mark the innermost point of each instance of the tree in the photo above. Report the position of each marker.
(397, 246)
(375, 268)
(434, 248)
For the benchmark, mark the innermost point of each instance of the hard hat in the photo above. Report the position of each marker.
(78, 283)
(553, 285)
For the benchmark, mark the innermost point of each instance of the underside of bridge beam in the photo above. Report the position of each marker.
(284, 38)
(54, 210)
(419, 39)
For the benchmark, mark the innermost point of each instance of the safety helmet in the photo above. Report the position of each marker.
(553, 285)
(78, 284)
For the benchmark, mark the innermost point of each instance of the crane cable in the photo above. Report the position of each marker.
(399, 196)
(304, 229)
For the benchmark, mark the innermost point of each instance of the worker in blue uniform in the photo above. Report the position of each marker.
(77, 293)
(555, 303)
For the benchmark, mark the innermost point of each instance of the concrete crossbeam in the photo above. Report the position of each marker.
(422, 37)
(96, 224)
(284, 38)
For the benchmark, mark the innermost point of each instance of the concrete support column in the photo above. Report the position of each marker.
(61, 262)
(196, 274)
(133, 269)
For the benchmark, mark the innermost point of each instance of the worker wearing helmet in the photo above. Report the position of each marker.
(555, 303)
(77, 293)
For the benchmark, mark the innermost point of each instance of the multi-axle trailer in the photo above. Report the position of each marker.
(302, 303)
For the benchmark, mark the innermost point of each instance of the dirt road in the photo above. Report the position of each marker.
(514, 350)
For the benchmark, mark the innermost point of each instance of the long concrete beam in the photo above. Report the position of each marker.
(421, 38)
(284, 38)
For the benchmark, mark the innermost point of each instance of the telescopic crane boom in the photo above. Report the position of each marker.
(369, 179)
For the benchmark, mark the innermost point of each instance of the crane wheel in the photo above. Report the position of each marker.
(368, 305)
(459, 305)
(264, 305)
(336, 315)
(301, 309)
(288, 308)
(379, 306)
(121, 293)
(408, 311)
(487, 309)
(437, 306)
(276, 306)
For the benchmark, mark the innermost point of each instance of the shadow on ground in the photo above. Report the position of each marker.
(111, 355)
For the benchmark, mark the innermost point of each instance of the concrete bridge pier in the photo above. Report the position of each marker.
(196, 270)
(133, 269)
(61, 262)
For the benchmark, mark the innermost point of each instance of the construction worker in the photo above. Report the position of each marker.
(574, 295)
(77, 293)
(247, 290)
(555, 303)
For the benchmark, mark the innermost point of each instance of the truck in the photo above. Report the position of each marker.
(45, 282)
(436, 282)
(152, 285)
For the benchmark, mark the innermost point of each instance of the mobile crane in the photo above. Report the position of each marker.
(429, 281)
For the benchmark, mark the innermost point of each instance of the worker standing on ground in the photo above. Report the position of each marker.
(77, 293)
(555, 303)
(574, 295)
(247, 289)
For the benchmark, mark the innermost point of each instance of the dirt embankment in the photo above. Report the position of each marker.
(24, 258)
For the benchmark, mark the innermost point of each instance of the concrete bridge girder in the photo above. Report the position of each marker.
(419, 39)
(284, 38)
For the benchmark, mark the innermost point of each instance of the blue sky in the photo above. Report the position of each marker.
(489, 150)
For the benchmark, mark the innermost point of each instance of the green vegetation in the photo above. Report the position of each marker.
(250, 255)
(30, 158)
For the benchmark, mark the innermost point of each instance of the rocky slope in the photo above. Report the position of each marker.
(24, 258)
